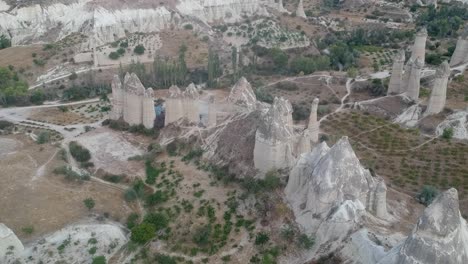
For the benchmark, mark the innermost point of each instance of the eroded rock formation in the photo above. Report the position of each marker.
(182, 105)
(132, 102)
(460, 55)
(439, 90)
(413, 78)
(335, 177)
(273, 139)
(395, 84)
(242, 95)
(419, 48)
(10, 245)
(300, 10)
(313, 126)
(440, 236)
(457, 121)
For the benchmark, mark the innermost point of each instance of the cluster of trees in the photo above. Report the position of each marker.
(443, 22)
(78, 152)
(214, 69)
(12, 89)
(4, 42)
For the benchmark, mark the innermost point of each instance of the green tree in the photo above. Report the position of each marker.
(261, 239)
(4, 42)
(139, 49)
(99, 260)
(114, 55)
(43, 137)
(143, 233)
(89, 203)
(427, 194)
(202, 235)
(279, 57)
(158, 220)
(448, 133)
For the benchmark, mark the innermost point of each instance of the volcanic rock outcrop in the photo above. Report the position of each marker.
(10, 245)
(132, 102)
(460, 55)
(242, 95)
(395, 84)
(439, 90)
(440, 236)
(412, 78)
(182, 105)
(273, 139)
(33, 23)
(300, 10)
(313, 126)
(458, 122)
(419, 48)
(330, 184)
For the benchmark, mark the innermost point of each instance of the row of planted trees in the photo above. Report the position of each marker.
(165, 72)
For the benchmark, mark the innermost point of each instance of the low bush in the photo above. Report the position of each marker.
(78, 152)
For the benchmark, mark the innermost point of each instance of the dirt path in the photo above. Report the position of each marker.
(342, 103)
(41, 170)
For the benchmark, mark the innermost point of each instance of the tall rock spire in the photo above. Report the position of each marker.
(419, 47)
(439, 90)
(414, 78)
(395, 84)
(440, 235)
(460, 55)
(117, 98)
(300, 10)
(313, 125)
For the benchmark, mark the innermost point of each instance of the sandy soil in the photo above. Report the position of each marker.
(31, 195)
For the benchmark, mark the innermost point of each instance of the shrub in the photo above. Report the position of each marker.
(171, 148)
(43, 137)
(114, 55)
(156, 198)
(188, 26)
(99, 260)
(4, 42)
(143, 233)
(132, 220)
(157, 220)
(202, 235)
(121, 51)
(73, 76)
(89, 203)
(427, 195)
(261, 239)
(78, 152)
(305, 241)
(28, 230)
(448, 133)
(139, 49)
(164, 259)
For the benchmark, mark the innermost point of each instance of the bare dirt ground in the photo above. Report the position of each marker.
(111, 150)
(197, 50)
(32, 195)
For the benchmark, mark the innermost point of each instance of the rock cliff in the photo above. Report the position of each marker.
(242, 94)
(330, 184)
(10, 245)
(105, 23)
(440, 236)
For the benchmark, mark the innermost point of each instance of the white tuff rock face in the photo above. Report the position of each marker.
(34, 23)
(439, 90)
(395, 84)
(182, 105)
(300, 10)
(330, 185)
(410, 117)
(440, 236)
(227, 10)
(132, 102)
(242, 94)
(313, 125)
(460, 55)
(9, 243)
(413, 79)
(458, 122)
(419, 47)
(273, 139)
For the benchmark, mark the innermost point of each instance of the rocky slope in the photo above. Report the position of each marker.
(440, 236)
(104, 24)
